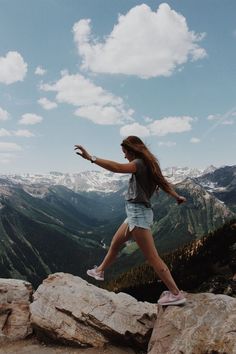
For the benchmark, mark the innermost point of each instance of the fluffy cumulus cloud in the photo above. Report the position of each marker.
(20, 132)
(46, 103)
(9, 147)
(4, 115)
(106, 115)
(169, 125)
(159, 127)
(145, 43)
(4, 132)
(134, 129)
(92, 102)
(23, 133)
(12, 68)
(30, 119)
(40, 71)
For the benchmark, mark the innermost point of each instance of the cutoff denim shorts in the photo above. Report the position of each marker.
(138, 215)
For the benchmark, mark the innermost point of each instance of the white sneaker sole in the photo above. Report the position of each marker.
(178, 302)
(94, 276)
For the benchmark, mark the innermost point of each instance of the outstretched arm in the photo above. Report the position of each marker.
(107, 164)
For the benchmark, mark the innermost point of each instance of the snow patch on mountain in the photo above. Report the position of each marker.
(92, 181)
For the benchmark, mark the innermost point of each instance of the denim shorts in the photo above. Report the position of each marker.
(138, 215)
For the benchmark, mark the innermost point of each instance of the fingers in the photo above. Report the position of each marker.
(79, 147)
(82, 152)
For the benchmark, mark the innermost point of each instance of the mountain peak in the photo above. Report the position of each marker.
(209, 169)
(102, 181)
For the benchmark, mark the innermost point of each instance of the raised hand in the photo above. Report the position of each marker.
(82, 152)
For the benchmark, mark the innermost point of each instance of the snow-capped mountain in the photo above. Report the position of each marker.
(221, 183)
(98, 181)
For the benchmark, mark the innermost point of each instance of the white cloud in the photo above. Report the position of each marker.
(24, 133)
(107, 115)
(9, 147)
(167, 143)
(4, 115)
(94, 102)
(4, 132)
(12, 68)
(20, 132)
(214, 117)
(148, 119)
(228, 122)
(222, 119)
(40, 71)
(64, 72)
(159, 127)
(134, 129)
(195, 140)
(47, 104)
(79, 91)
(219, 120)
(30, 119)
(169, 125)
(143, 43)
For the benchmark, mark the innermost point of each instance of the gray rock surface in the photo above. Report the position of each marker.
(70, 310)
(15, 298)
(206, 324)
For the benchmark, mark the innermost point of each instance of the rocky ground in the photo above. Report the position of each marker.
(33, 345)
(67, 312)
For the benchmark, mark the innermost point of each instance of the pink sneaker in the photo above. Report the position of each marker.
(96, 274)
(167, 298)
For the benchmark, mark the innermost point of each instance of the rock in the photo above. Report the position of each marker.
(15, 297)
(206, 324)
(70, 310)
(32, 345)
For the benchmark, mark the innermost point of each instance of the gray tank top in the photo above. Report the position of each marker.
(141, 187)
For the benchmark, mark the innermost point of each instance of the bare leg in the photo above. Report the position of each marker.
(146, 243)
(121, 236)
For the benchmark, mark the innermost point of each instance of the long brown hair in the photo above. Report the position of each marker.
(135, 145)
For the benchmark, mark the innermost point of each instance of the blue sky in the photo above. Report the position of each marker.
(91, 72)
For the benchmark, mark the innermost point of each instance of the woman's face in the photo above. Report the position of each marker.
(128, 155)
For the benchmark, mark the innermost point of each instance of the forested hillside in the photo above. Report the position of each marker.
(206, 264)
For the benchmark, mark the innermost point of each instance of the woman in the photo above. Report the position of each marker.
(145, 180)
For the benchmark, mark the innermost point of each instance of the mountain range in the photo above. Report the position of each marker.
(47, 227)
(222, 184)
(97, 181)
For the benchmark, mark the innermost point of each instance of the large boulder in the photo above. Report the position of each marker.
(70, 310)
(15, 298)
(206, 324)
